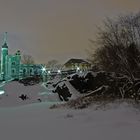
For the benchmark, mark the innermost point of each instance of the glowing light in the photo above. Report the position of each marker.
(1, 92)
(43, 69)
(49, 72)
(78, 68)
(59, 71)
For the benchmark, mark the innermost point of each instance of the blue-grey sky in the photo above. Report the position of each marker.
(56, 29)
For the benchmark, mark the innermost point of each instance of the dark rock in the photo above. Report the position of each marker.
(39, 100)
(23, 97)
(63, 92)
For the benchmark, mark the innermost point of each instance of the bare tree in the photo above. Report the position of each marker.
(27, 59)
(118, 43)
(53, 64)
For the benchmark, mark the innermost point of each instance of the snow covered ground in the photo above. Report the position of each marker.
(33, 120)
(38, 122)
(14, 89)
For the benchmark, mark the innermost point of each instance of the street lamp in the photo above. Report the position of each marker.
(43, 69)
(44, 73)
(49, 72)
(77, 69)
(59, 71)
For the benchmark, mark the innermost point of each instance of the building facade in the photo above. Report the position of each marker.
(79, 64)
(12, 68)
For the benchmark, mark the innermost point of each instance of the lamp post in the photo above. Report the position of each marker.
(49, 72)
(44, 74)
(59, 73)
(48, 75)
(77, 69)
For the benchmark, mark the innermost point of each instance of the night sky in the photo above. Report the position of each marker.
(56, 29)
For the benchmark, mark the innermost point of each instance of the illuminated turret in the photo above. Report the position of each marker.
(4, 53)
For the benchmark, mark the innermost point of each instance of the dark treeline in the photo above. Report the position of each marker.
(117, 51)
(118, 45)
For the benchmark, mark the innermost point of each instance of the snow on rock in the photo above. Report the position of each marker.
(62, 88)
(72, 90)
(48, 95)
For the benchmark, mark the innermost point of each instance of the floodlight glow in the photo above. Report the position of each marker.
(2, 92)
(49, 72)
(80, 71)
(78, 68)
(43, 69)
(59, 71)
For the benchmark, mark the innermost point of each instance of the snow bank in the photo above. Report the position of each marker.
(14, 89)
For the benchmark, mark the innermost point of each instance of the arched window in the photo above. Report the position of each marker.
(14, 63)
(24, 71)
(31, 70)
(13, 72)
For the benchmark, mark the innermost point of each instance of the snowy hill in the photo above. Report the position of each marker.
(15, 89)
(35, 93)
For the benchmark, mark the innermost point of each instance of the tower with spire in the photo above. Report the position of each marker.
(11, 66)
(4, 53)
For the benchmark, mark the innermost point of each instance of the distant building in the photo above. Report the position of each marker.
(74, 64)
(11, 66)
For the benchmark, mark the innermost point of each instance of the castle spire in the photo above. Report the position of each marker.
(5, 45)
(5, 37)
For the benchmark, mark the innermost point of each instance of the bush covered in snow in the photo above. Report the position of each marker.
(112, 85)
(28, 81)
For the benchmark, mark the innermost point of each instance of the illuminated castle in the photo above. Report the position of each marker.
(11, 67)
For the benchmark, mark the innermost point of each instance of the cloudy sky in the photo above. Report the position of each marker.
(56, 29)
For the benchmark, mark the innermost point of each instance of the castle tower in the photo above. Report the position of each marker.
(4, 53)
(18, 60)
